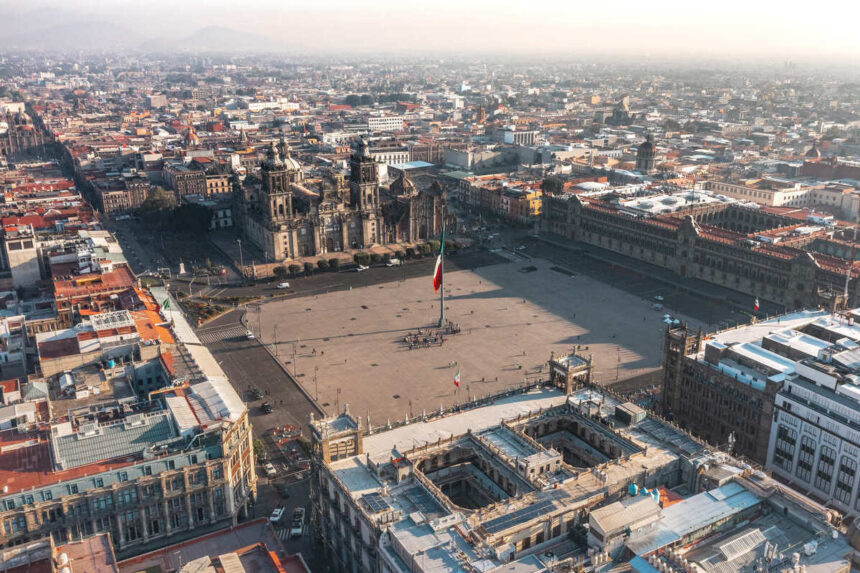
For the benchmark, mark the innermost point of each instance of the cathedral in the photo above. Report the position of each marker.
(18, 135)
(287, 216)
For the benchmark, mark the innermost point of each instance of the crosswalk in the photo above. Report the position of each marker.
(283, 533)
(218, 334)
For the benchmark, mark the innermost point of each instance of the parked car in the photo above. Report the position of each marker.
(270, 470)
(277, 514)
(266, 408)
(298, 525)
(394, 263)
(283, 285)
(249, 335)
(256, 394)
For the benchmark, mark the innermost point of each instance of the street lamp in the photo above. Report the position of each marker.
(241, 263)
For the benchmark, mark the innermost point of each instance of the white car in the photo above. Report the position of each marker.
(270, 470)
(249, 335)
(277, 515)
(298, 525)
(361, 268)
(283, 285)
(393, 263)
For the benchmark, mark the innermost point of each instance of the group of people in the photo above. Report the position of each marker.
(423, 339)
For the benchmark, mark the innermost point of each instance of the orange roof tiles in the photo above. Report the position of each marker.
(149, 326)
(84, 285)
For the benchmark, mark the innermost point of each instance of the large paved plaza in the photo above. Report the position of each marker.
(348, 346)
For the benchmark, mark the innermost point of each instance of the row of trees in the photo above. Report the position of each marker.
(364, 259)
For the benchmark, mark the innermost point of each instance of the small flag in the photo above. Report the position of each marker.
(457, 379)
(166, 304)
(437, 272)
(755, 306)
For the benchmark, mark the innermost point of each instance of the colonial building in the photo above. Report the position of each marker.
(286, 218)
(761, 253)
(783, 392)
(504, 485)
(148, 440)
(645, 156)
(18, 134)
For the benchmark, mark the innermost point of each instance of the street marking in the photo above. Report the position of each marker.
(217, 335)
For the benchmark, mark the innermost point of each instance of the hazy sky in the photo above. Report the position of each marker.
(765, 28)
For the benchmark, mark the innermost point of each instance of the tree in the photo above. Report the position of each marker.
(362, 259)
(553, 185)
(375, 258)
(295, 269)
(322, 264)
(156, 206)
(309, 269)
(334, 263)
(280, 271)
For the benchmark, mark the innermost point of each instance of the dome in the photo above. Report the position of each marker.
(291, 164)
(814, 152)
(403, 186)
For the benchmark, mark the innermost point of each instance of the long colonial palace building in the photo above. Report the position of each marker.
(788, 256)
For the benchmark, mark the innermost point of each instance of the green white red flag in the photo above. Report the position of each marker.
(437, 272)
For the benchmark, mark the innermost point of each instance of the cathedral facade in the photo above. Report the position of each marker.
(288, 217)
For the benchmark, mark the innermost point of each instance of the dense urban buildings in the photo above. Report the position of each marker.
(781, 391)
(592, 211)
(527, 480)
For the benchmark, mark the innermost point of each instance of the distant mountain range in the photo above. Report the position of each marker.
(96, 35)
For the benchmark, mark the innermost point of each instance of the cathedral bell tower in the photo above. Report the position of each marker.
(363, 179)
(277, 196)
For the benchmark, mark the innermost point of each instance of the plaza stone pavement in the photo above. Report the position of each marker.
(348, 346)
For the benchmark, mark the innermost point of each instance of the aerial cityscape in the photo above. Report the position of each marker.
(389, 288)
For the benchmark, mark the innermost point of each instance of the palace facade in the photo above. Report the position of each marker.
(755, 251)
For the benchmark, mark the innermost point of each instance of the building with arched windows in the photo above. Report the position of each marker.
(287, 218)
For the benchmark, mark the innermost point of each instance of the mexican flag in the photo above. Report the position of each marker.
(457, 379)
(755, 306)
(437, 272)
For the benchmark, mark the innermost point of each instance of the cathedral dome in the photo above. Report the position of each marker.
(814, 152)
(403, 186)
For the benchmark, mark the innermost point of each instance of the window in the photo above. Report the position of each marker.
(171, 464)
(805, 458)
(98, 482)
(28, 499)
(216, 473)
(123, 476)
(824, 473)
(73, 488)
(845, 479)
(147, 470)
(47, 495)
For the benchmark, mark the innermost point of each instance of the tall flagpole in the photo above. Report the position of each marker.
(442, 274)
